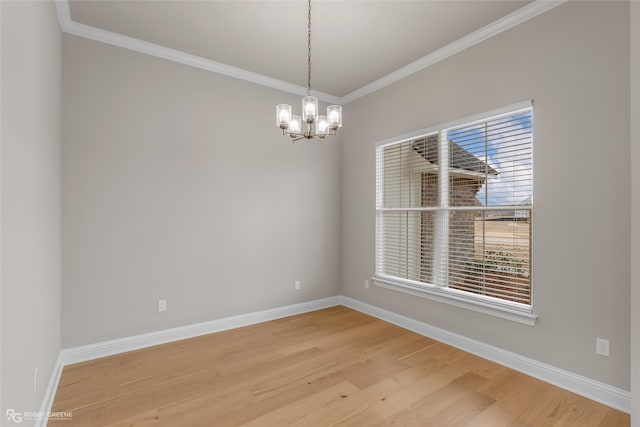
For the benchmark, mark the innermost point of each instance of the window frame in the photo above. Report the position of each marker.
(497, 307)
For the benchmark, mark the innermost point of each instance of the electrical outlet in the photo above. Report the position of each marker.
(366, 284)
(297, 285)
(602, 347)
(35, 380)
(162, 305)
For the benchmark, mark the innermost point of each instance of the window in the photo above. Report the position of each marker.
(454, 208)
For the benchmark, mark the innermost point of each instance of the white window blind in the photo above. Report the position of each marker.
(454, 209)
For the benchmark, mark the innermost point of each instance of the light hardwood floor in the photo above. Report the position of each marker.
(333, 367)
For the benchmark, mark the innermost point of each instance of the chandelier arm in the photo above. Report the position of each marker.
(297, 138)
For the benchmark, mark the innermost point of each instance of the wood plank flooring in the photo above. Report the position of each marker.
(333, 367)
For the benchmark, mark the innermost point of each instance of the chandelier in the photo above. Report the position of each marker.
(317, 127)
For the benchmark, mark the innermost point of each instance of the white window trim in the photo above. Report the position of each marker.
(496, 307)
(480, 303)
(463, 121)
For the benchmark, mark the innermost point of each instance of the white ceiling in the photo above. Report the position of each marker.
(354, 43)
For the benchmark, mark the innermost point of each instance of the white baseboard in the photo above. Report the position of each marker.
(83, 353)
(591, 389)
(50, 393)
(595, 390)
(136, 342)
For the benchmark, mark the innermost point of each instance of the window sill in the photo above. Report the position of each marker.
(502, 309)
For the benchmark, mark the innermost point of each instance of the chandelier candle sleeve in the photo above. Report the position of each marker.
(335, 116)
(295, 124)
(283, 115)
(322, 125)
(309, 109)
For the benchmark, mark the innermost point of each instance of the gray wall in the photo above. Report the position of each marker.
(178, 185)
(635, 214)
(30, 188)
(573, 61)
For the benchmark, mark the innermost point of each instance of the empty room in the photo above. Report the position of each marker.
(320, 213)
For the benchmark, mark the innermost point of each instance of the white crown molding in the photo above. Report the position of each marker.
(509, 21)
(575, 383)
(93, 33)
(64, 13)
(97, 34)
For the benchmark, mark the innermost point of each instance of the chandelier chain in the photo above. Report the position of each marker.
(309, 49)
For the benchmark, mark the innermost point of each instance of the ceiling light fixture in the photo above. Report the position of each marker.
(318, 127)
